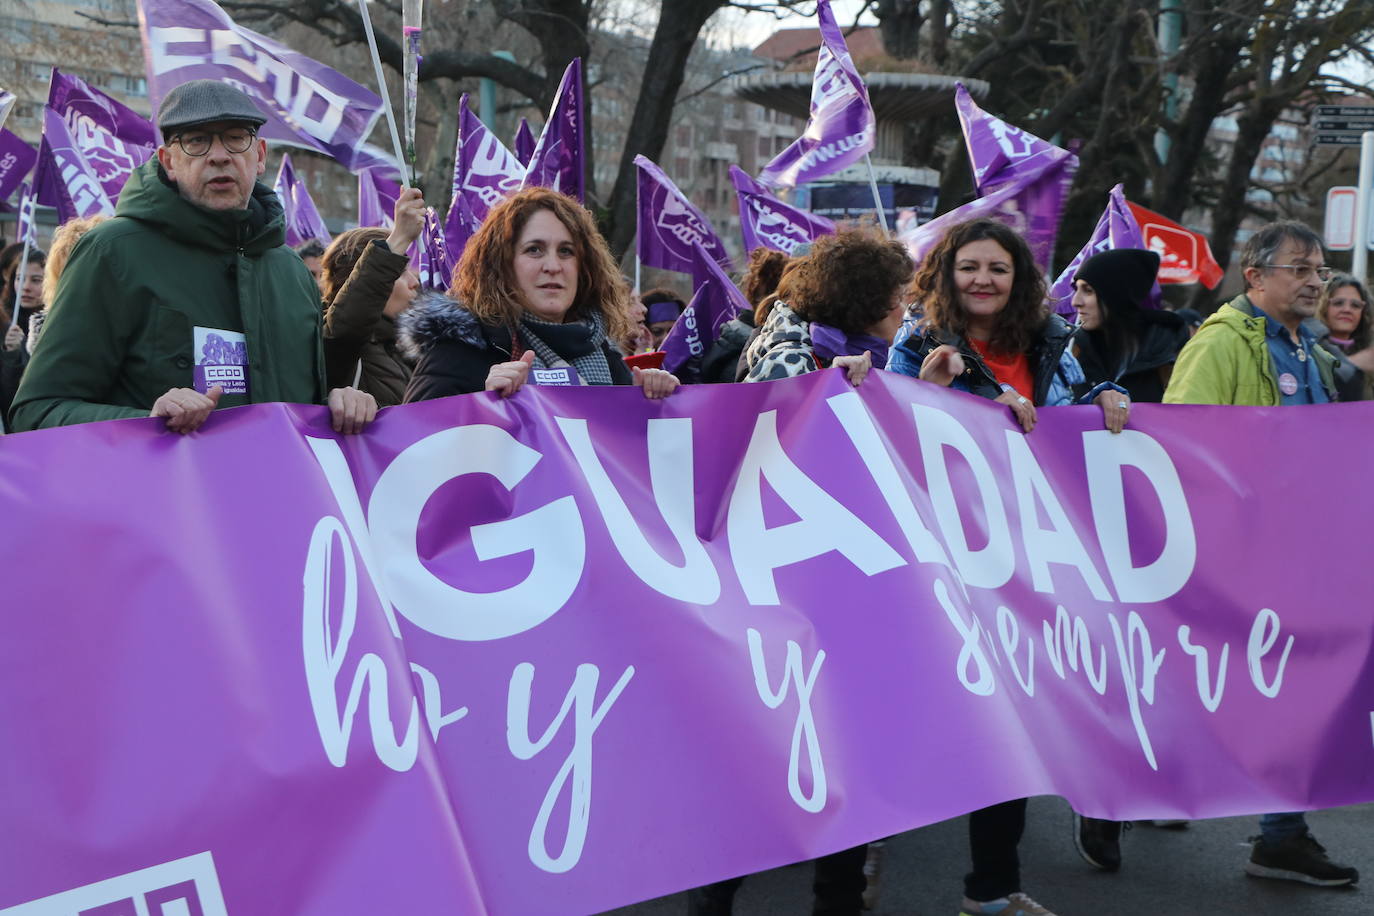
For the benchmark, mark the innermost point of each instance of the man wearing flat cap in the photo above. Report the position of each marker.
(188, 299)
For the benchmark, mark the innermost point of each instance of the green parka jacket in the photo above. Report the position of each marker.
(1228, 362)
(120, 332)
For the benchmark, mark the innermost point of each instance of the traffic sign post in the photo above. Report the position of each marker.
(1359, 257)
(1342, 125)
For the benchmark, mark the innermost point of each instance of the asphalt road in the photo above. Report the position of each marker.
(1165, 872)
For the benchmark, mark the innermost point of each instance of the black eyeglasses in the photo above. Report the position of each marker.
(197, 143)
(1303, 272)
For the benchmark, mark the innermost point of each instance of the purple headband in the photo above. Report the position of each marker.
(663, 311)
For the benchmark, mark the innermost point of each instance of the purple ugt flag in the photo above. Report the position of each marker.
(306, 103)
(376, 199)
(430, 254)
(524, 142)
(16, 161)
(484, 171)
(112, 137)
(27, 227)
(558, 158)
(716, 301)
(64, 179)
(841, 127)
(669, 226)
(484, 174)
(766, 222)
(303, 220)
(1005, 157)
(1116, 228)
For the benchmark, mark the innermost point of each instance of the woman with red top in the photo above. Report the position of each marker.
(987, 330)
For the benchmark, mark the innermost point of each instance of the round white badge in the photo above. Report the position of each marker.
(1288, 383)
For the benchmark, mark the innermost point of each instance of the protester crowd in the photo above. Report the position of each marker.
(188, 301)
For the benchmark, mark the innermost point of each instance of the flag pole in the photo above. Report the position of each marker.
(386, 96)
(20, 276)
(877, 198)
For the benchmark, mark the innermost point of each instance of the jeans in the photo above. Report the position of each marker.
(1275, 828)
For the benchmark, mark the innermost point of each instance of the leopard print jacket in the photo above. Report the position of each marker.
(782, 349)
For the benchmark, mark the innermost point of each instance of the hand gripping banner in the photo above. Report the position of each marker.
(574, 649)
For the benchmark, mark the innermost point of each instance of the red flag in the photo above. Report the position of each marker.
(1184, 255)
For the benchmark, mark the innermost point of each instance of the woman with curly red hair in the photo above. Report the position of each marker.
(539, 298)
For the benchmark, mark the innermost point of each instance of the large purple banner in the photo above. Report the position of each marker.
(574, 649)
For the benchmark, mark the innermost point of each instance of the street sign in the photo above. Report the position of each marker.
(1331, 138)
(1339, 231)
(1344, 111)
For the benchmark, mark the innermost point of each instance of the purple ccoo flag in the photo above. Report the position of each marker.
(669, 226)
(524, 142)
(63, 178)
(841, 128)
(376, 199)
(16, 161)
(716, 301)
(306, 103)
(558, 158)
(766, 222)
(1117, 228)
(303, 220)
(113, 138)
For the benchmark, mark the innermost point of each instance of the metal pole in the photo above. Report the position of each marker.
(877, 198)
(1170, 36)
(382, 91)
(1360, 255)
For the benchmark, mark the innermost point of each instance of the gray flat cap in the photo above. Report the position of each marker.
(203, 102)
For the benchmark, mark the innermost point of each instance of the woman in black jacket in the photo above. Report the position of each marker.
(539, 300)
(1119, 338)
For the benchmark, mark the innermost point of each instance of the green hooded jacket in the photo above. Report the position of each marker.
(1228, 362)
(121, 330)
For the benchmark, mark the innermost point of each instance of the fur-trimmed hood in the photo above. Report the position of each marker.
(435, 317)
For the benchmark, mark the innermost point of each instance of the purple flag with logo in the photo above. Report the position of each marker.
(1116, 228)
(524, 142)
(484, 174)
(16, 161)
(1003, 157)
(377, 197)
(7, 100)
(460, 225)
(573, 649)
(112, 137)
(27, 223)
(1021, 180)
(484, 170)
(669, 226)
(715, 301)
(558, 160)
(766, 222)
(306, 103)
(841, 128)
(430, 254)
(63, 178)
(303, 220)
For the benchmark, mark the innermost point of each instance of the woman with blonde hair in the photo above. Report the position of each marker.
(63, 241)
(539, 299)
(1344, 310)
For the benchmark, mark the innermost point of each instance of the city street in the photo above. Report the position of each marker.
(1165, 872)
